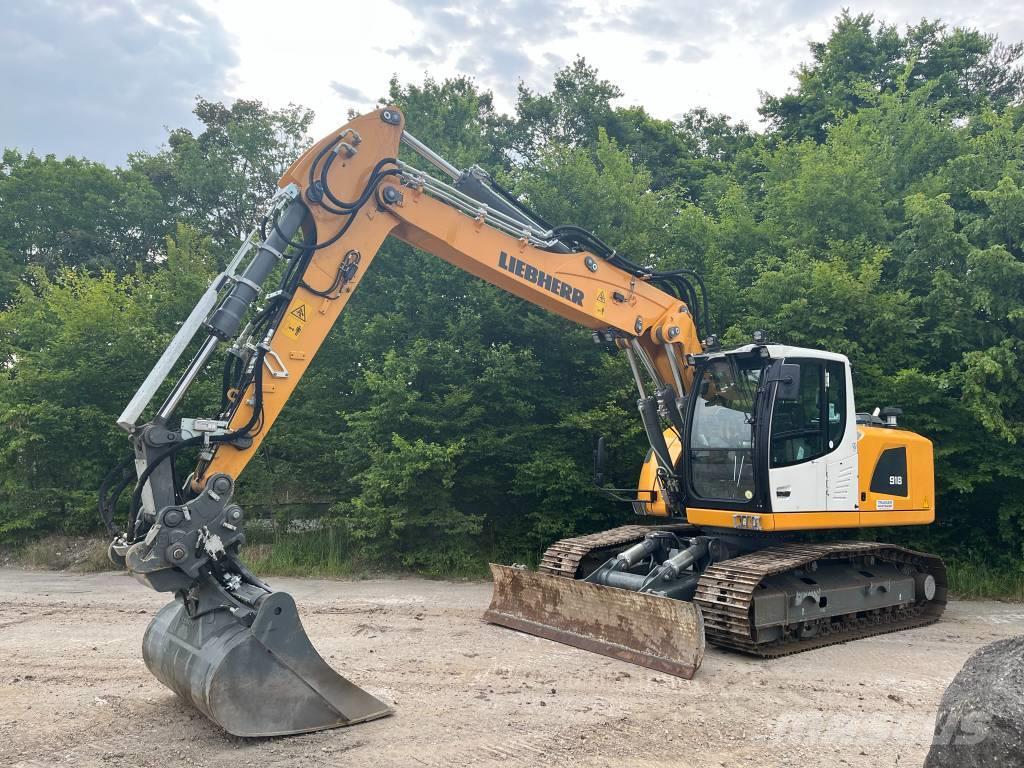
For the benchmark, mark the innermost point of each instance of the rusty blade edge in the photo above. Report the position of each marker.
(584, 642)
(658, 663)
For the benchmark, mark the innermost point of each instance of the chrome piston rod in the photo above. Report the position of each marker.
(161, 370)
(429, 155)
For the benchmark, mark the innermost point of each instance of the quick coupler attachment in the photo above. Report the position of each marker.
(228, 644)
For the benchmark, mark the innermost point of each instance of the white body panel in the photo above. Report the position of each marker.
(798, 488)
(827, 482)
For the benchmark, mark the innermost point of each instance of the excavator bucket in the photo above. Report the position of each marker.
(259, 680)
(641, 628)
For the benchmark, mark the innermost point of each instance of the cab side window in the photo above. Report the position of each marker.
(835, 396)
(813, 424)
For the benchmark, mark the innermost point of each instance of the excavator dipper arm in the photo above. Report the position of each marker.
(228, 643)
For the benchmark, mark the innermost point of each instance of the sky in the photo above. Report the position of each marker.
(102, 78)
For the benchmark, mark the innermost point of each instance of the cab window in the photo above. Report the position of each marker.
(812, 424)
(835, 396)
(721, 431)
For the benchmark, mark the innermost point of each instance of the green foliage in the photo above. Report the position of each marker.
(963, 70)
(218, 181)
(444, 421)
(72, 213)
(70, 346)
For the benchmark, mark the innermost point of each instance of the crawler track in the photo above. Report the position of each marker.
(563, 558)
(726, 591)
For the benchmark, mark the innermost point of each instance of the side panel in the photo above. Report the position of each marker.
(896, 474)
(799, 488)
(804, 521)
(785, 521)
(648, 486)
(841, 483)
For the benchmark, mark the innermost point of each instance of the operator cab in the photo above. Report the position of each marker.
(770, 428)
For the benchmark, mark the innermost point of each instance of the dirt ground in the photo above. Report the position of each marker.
(74, 689)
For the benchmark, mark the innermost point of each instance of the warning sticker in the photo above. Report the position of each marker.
(884, 504)
(294, 321)
(600, 303)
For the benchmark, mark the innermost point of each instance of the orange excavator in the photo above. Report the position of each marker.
(748, 447)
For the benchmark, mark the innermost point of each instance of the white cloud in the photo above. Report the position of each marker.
(120, 71)
(668, 56)
(101, 81)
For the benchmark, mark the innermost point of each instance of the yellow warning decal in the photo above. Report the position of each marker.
(294, 321)
(600, 303)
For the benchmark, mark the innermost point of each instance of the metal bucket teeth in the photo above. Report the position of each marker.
(263, 680)
(649, 630)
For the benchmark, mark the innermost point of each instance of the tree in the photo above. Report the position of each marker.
(964, 69)
(579, 103)
(445, 421)
(218, 181)
(66, 344)
(73, 213)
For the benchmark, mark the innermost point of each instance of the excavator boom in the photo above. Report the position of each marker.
(230, 644)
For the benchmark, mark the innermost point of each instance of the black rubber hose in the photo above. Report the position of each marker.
(116, 495)
(107, 503)
(375, 176)
(144, 477)
(331, 292)
(344, 227)
(257, 407)
(320, 156)
(172, 450)
(513, 201)
(228, 377)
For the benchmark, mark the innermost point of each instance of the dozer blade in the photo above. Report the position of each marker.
(649, 630)
(263, 680)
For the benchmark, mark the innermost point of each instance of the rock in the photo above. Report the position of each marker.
(981, 716)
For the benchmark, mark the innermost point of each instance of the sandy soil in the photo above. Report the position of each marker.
(74, 689)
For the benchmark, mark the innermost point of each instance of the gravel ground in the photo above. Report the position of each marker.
(74, 689)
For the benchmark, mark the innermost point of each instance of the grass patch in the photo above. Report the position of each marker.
(82, 554)
(330, 553)
(978, 580)
(323, 553)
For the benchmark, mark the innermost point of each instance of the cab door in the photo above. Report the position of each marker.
(796, 468)
(812, 466)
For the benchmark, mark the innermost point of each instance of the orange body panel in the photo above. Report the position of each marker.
(297, 340)
(920, 476)
(648, 484)
(875, 509)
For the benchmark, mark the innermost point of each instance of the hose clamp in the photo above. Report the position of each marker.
(266, 247)
(246, 281)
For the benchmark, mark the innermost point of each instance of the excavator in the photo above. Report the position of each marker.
(750, 449)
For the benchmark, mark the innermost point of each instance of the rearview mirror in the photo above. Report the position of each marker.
(789, 382)
(600, 457)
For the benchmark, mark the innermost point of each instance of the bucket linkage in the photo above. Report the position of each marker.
(228, 644)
